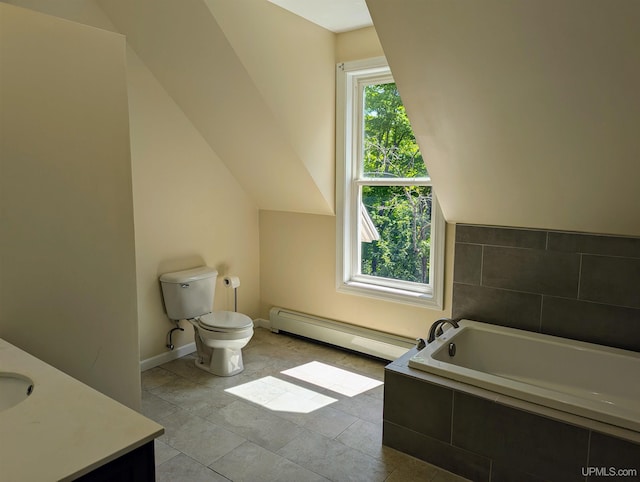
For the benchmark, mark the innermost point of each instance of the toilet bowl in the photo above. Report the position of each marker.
(220, 337)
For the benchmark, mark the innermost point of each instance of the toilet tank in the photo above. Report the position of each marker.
(189, 293)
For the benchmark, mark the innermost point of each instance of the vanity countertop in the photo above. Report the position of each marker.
(65, 428)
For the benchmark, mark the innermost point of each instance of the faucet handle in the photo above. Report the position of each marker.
(421, 343)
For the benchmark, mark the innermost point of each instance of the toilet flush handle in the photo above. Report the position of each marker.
(184, 285)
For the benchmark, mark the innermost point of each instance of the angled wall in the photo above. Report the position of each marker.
(187, 51)
(67, 254)
(291, 62)
(527, 112)
(188, 207)
(298, 254)
(189, 210)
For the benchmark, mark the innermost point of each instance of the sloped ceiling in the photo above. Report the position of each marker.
(528, 112)
(188, 52)
(291, 62)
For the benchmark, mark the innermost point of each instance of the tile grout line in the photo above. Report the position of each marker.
(579, 275)
(178, 377)
(481, 264)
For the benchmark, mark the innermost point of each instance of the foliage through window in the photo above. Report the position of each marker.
(388, 213)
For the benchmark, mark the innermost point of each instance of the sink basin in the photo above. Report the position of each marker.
(14, 388)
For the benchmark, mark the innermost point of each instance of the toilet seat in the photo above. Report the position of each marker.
(225, 322)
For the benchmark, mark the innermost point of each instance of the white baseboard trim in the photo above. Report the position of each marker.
(262, 323)
(187, 349)
(158, 360)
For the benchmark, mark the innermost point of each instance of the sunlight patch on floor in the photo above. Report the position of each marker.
(281, 396)
(335, 379)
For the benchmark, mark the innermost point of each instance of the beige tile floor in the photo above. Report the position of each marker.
(264, 425)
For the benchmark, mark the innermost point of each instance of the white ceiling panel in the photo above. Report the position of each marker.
(335, 15)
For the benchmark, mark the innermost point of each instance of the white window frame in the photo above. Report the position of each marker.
(351, 77)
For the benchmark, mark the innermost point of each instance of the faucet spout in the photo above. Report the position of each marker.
(436, 327)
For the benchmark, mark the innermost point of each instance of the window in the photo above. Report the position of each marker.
(390, 228)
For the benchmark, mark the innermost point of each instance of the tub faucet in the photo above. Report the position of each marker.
(436, 328)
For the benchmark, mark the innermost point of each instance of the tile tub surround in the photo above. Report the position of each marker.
(211, 434)
(559, 283)
(478, 435)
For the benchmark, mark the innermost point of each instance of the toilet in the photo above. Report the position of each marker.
(220, 335)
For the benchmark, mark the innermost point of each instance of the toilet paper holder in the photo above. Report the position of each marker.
(233, 282)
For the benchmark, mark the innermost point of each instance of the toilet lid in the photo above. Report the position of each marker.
(225, 320)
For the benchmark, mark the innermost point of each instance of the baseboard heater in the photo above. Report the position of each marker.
(362, 340)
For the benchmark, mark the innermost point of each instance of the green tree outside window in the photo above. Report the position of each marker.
(400, 213)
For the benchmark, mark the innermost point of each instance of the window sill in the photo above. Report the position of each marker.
(424, 300)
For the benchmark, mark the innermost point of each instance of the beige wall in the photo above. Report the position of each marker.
(185, 48)
(298, 253)
(298, 271)
(291, 62)
(357, 45)
(529, 108)
(189, 210)
(67, 274)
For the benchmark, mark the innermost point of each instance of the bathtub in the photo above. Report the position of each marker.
(592, 381)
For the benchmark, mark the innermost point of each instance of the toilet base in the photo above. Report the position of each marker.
(221, 357)
(223, 362)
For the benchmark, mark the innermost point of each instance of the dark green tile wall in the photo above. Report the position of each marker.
(550, 449)
(566, 284)
(484, 440)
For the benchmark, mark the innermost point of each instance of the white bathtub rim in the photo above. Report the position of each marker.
(556, 340)
(564, 402)
(556, 400)
(520, 404)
